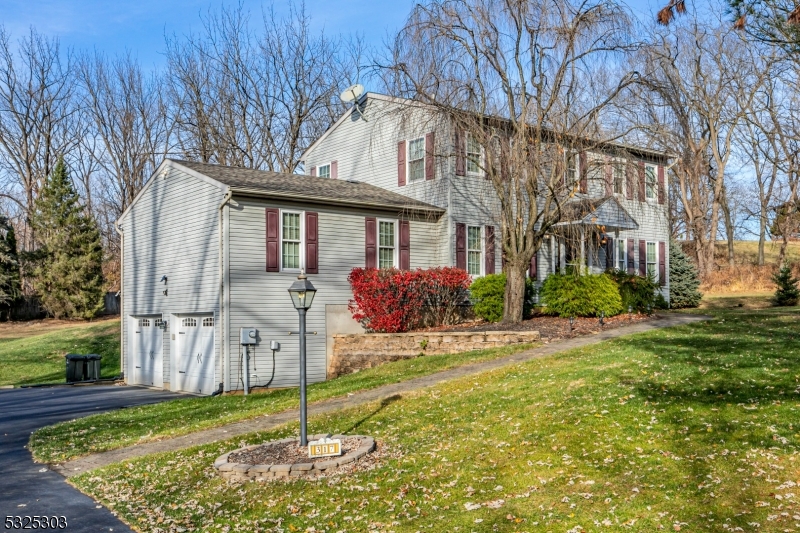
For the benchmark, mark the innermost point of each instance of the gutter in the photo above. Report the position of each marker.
(121, 299)
(223, 311)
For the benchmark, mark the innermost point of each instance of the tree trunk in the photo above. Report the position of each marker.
(515, 293)
(729, 230)
(762, 234)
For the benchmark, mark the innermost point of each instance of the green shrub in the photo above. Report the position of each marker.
(786, 293)
(683, 279)
(573, 295)
(637, 293)
(488, 294)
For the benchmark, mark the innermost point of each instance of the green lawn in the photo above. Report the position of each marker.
(684, 429)
(31, 354)
(116, 429)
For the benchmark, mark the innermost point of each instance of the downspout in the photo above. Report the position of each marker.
(223, 312)
(121, 299)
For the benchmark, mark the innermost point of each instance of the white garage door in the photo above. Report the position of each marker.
(196, 354)
(147, 341)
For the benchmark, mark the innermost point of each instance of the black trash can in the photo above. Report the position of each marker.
(76, 367)
(92, 366)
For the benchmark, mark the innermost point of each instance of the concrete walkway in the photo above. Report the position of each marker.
(269, 422)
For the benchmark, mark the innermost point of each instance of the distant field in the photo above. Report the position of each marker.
(746, 252)
(746, 276)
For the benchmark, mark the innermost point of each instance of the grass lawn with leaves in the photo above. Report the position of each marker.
(34, 352)
(116, 429)
(683, 429)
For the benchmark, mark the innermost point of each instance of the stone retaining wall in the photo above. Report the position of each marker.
(354, 352)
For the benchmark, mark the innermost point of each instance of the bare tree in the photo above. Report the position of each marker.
(519, 79)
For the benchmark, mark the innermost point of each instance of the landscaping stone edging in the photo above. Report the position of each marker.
(245, 472)
(357, 351)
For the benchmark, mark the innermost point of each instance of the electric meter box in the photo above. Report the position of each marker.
(248, 336)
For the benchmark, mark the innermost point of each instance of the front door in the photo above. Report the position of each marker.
(146, 351)
(196, 354)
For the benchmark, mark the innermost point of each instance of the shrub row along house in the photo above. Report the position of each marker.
(209, 249)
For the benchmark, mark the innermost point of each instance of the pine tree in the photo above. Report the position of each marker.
(787, 292)
(683, 279)
(9, 268)
(67, 269)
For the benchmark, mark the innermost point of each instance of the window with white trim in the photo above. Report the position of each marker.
(652, 260)
(618, 175)
(650, 181)
(416, 159)
(189, 323)
(386, 243)
(159, 323)
(474, 250)
(474, 155)
(144, 322)
(324, 171)
(290, 240)
(208, 322)
(622, 260)
(571, 173)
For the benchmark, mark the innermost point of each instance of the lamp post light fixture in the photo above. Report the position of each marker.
(302, 293)
(571, 323)
(602, 316)
(630, 309)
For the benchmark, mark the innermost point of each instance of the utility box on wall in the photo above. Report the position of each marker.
(248, 336)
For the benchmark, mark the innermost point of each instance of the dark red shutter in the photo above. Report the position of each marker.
(405, 245)
(461, 167)
(661, 190)
(629, 181)
(334, 170)
(430, 168)
(489, 250)
(631, 262)
(313, 171)
(584, 180)
(533, 271)
(609, 178)
(401, 163)
(312, 243)
(641, 181)
(461, 246)
(370, 242)
(643, 258)
(662, 263)
(273, 238)
(610, 254)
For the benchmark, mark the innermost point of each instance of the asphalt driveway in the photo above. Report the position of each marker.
(30, 489)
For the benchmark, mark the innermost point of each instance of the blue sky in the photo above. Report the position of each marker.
(140, 26)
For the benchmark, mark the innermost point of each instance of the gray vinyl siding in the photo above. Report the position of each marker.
(171, 230)
(260, 299)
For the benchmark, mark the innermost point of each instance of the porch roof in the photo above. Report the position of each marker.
(606, 212)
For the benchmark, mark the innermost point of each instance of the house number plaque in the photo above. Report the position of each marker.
(324, 447)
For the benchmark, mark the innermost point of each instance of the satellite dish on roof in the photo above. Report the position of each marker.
(351, 96)
(352, 93)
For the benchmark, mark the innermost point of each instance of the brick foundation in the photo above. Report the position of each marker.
(354, 352)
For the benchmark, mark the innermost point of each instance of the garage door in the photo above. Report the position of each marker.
(146, 350)
(196, 354)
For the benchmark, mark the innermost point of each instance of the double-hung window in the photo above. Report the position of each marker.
(650, 181)
(652, 260)
(416, 159)
(621, 253)
(619, 177)
(290, 240)
(474, 250)
(571, 174)
(324, 171)
(474, 155)
(386, 244)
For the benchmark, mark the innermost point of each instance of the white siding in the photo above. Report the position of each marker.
(260, 299)
(171, 230)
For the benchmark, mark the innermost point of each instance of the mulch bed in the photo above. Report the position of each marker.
(552, 327)
(286, 453)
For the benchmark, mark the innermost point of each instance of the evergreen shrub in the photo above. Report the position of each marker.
(787, 293)
(637, 292)
(488, 296)
(570, 294)
(683, 279)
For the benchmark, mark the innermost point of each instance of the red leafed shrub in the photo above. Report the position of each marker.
(392, 301)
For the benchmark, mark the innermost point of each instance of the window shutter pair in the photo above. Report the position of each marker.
(489, 257)
(641, 182)
(461, 156)
(643, 258)
(430, 168)
(609, 170)
(401, 164)
(533, 271)
(461, 246)
(631, 262)
(584, 173)
(334, 170)
(610, 254)
(311, 238)
(371, 243)
(661, 190)
(662, 263)
(629, 182)
(313, 171)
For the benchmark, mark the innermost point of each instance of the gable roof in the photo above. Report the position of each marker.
(597, 212)
(307, 189)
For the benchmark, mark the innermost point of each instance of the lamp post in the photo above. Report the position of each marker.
(302, 293)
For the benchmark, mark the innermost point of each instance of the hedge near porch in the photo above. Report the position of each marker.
(570, 294)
